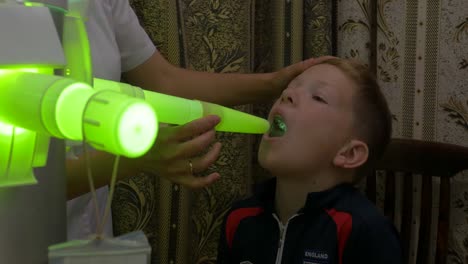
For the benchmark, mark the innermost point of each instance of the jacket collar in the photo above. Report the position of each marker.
(264, 193)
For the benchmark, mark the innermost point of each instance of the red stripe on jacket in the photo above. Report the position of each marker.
(235, 217)
(344, 224)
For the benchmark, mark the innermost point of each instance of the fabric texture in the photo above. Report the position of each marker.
(421, 51)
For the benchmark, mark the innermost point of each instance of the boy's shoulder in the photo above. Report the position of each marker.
(367, 220)
(362, 209)
(248, 202)
(355, 203)
(259, 201)
(372, 232)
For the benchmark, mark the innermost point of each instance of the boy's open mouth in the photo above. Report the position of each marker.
(277, 128)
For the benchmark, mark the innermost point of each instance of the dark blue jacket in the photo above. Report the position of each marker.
(337, 226)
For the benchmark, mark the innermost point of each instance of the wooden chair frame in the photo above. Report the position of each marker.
(429, 159)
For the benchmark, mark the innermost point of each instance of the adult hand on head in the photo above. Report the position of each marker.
(177, 153)
(284, 76)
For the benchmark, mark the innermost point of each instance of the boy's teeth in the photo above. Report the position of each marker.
(278, 127)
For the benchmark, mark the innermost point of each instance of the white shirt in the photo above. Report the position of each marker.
(118, 44)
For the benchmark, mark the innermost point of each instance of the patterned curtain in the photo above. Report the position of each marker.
(418, 50)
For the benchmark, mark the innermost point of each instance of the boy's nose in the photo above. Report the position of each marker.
(287, 97)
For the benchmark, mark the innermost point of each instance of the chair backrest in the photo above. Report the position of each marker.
(429, 159)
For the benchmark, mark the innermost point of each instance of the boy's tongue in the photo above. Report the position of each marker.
(278, 127)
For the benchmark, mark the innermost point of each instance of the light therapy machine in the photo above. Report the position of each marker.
(48, 95)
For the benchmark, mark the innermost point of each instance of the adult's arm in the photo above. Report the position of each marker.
(157, 74)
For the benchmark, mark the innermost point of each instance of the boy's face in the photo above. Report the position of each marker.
(310, 122)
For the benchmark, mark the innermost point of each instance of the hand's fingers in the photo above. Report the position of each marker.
(182, 174)
(202, 163)
(201, 182)
(320, 59)
(313, 61)
(166, 134)
(196, 127)
(290, 72)
(180, 171)
(196, 145)
(164, 148)
(182, 167)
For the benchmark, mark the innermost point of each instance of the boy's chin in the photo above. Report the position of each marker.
(264, 162)
(270, 164)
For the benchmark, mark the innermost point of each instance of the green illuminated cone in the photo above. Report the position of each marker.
(177, 110)
(235, 121)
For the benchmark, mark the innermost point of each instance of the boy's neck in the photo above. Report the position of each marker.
(291, 192)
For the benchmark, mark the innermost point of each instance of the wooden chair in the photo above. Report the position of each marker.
(429, 159)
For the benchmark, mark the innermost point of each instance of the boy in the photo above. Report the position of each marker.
(331, 123)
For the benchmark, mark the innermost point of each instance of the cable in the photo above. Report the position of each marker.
(110, 196)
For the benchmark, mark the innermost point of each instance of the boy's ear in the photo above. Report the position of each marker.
(352, 155)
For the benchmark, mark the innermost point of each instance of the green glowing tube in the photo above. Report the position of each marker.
(16, 155)
(119, 124)
(41, 150)
(176, 110)
(43, 103)
(53, 105)
(21, 149)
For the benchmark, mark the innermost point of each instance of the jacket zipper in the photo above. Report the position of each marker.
(283, 230)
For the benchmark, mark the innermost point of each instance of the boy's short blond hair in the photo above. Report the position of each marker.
(373, 120)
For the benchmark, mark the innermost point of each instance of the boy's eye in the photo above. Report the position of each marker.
(319, 99)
